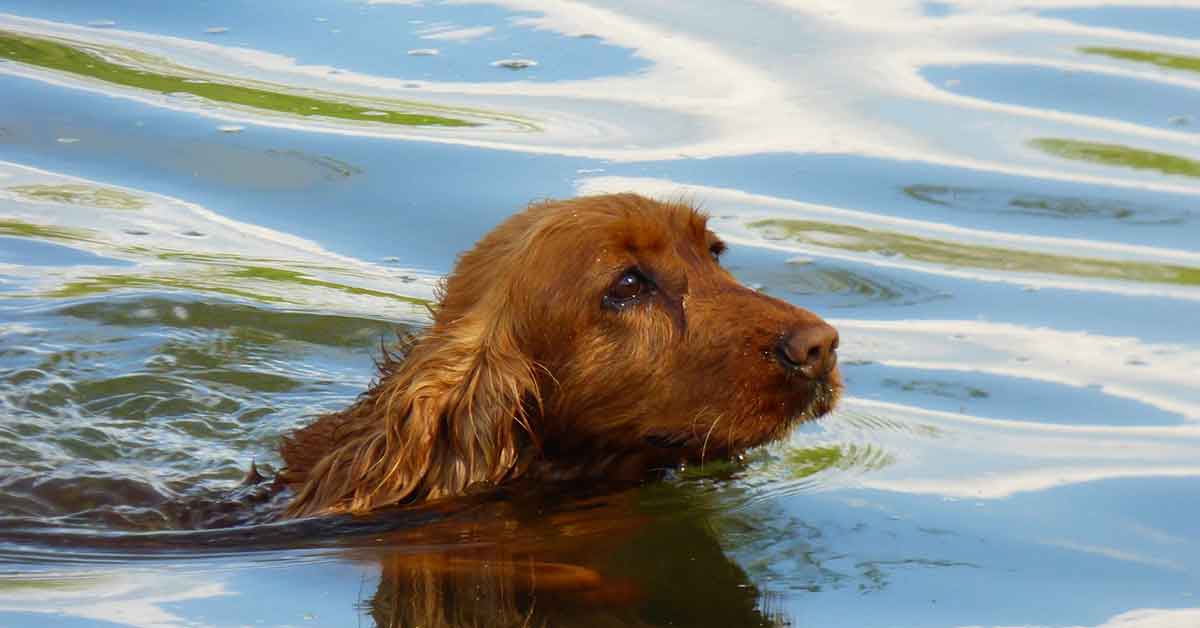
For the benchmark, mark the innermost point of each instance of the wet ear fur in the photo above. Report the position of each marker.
(451, 414)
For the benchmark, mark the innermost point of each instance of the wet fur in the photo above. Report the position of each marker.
(525, 374)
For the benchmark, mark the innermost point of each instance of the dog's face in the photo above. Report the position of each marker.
(599, 336)
(644, 344)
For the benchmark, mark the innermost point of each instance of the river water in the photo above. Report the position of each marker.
(212, 214)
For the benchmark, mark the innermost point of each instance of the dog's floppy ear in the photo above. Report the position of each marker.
(450, 415)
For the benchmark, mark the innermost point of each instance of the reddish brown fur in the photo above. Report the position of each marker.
(525, 373)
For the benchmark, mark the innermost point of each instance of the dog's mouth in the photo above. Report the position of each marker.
(822, 394)
(825, 395)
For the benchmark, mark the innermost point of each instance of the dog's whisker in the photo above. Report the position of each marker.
(704, 447)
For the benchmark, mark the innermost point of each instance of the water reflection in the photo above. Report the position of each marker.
(636, 116)
(168, 244)
(529, 560)
(1044, 205)
(951, 254)
(588, 568)
(809, 229)
(1016, 316)
(1161, 59)
(1118, 155)
(52, 55)
(123, 597)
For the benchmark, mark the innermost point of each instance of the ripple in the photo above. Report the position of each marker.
(54, 54)
(1000, 201)
(1163, 60)
(850, 288)
(182, 402)
(190, 249)
(1109, 96)
(955, 254)
(79, 194)
(1117, 155)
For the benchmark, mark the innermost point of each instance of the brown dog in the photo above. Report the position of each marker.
(592, 338)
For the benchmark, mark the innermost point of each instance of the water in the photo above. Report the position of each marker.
(996, 203)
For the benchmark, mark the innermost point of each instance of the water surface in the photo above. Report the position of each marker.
(212, 215)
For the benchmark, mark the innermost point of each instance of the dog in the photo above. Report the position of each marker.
(587, 340)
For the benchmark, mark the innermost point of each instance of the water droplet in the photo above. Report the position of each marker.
(514, 64)
(161, 360)
(424, 52)
(216, 30)
(231, 128)
(102, 23)
(180, 312)
(320, 19)
(67, 140)
(185, 96)
(372, 112)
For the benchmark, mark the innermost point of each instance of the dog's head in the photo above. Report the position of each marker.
(597, 332)
(636, 336)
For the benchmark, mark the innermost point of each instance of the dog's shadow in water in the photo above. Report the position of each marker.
(604, 561)
(633, 556)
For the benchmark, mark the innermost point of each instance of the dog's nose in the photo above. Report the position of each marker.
(812, 350)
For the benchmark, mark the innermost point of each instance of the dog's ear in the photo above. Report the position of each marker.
(452, 414)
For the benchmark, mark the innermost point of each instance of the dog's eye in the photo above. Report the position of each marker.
(626, 290)
(716, 249)
(627, 287)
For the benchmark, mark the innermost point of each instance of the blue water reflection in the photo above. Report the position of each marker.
(1148, 103)
(1018, 445)
(1183, 22)
(363, 37)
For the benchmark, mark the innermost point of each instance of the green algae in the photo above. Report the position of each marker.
(1160, 59)
(22, 229)
(1118, 155)
(803, 463)
(80, 194)
(59, 56)
(954, 254)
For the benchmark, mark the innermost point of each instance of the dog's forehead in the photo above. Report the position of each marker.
(659, 227)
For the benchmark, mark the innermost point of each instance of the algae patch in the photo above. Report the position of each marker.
(1160, 59)
(955, 254)
(57, 55)
(22, 229)
(1118, 155)
(803, 463)
(79, 194)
